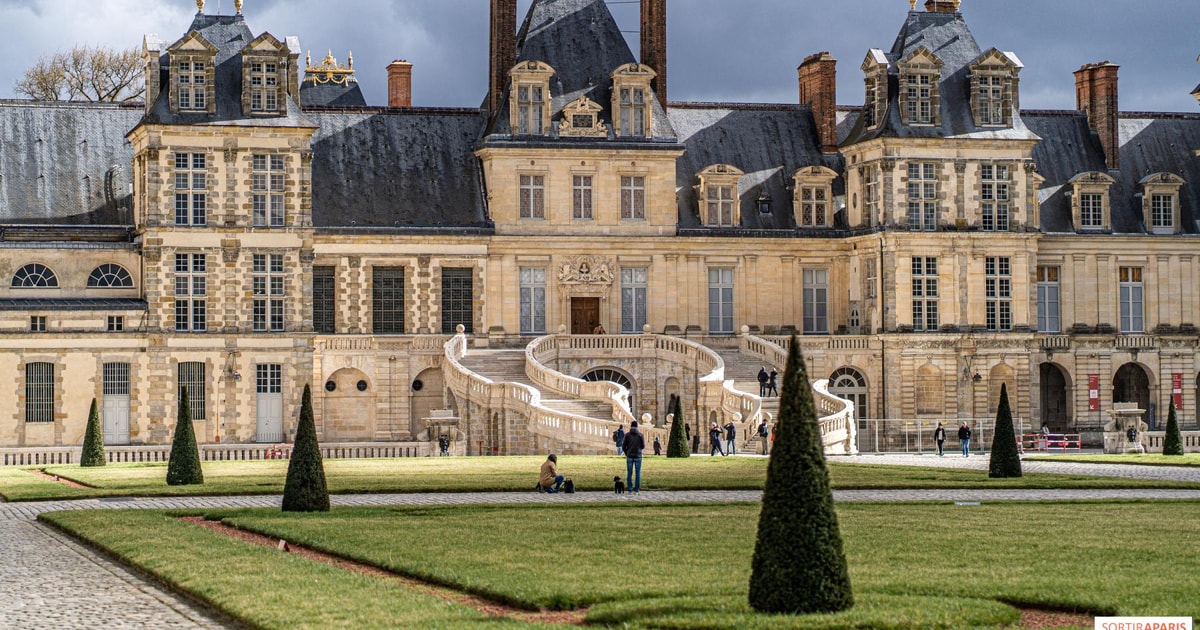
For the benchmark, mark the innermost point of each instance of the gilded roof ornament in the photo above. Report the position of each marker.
(329, 70)
(237, 6)
(912, 4)
(199, 6)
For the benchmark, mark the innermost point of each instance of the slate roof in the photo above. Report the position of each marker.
(73, 304)
(947, 36)
(331, 95)
(393, 168)
(582, 42)
(768, 142)
(229, 34)
(66, 163)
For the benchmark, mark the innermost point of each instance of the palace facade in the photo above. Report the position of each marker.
(255, 227)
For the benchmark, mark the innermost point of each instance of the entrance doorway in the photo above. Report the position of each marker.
(585, 315)
(1055, 413)
(850, 384)
(268, 387)
(116, 403)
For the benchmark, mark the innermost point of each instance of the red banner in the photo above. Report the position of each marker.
(1177, 391)
(1093, 392)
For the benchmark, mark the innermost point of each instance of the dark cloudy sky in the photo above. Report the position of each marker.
(718, 50)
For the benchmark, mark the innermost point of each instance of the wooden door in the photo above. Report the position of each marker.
(585, 315)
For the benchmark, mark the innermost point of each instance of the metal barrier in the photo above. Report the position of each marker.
(1051, 441)
(915, 435)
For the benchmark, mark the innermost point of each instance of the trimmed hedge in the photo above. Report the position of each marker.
(184, 467)
(1173, 442)
(93, 440)
(305, 489)
(1005, 461)
(677, 445)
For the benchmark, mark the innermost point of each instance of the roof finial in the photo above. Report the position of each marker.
(350, 60)
(199, 6)
(237, 6)
(912, 4)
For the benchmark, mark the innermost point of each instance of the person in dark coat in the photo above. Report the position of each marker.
(657, 446)
(714, 440)
(731, 438)
(773, 383)
(964, 437)
(619, 438)
(763, 378)
(939, 435)
(633, 446)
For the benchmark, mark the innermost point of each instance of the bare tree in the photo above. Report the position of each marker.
(85, 73)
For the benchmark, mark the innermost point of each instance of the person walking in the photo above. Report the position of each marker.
(763, 377)
(619, 437)
(964, 437)
(939, 436)
(773, 383)
(763, 432)
(714, 440)
(657, 446)
(730, 438)
(633, 446)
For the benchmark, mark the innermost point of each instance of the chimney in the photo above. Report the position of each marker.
(654, 44)
(942, 6)
(1096, 96)
(399, 83)
(818, 88)
(504, 49)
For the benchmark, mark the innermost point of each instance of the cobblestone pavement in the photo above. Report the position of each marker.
(49, 581)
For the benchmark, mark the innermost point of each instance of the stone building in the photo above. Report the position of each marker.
(255, 227)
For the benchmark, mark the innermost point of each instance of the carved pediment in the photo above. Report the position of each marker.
(586, 270)
(581, 118)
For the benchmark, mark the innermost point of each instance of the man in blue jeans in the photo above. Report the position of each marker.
(633, 446)
(964, 436)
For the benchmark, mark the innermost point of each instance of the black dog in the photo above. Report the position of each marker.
(618, 485)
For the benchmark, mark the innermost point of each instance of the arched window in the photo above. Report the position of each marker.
(109, 276)
(33, 276)
(613, 376)
(850, 384)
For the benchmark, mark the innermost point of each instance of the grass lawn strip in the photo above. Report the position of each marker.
(491, 609)
(258, 586)
(1188, 460)
(513, 474)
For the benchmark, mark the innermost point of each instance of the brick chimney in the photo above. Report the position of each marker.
(654, 44)
(399, 83)
(503, 49)
(941, 6)
(1096, 96)
(818, 88)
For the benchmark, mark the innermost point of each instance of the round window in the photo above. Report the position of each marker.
(418, 385)
(330, 386)
(362, 386)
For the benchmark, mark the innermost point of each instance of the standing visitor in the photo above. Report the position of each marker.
(730, 438)
(714, 440)
(964, 437)
(762, 382)
(619, 437)
(633, 446)
(763, 432)
(773, 383)
(657, 446)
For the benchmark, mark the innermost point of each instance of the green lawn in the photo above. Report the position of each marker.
(1148, 459)
(674, 566)
(510, 474)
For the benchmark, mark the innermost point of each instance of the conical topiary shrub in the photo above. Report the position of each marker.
(1173, 442)
(305, 489)
(184, 467)
(677, 445)
(1005, 461)
(799, 566)
(93, 440)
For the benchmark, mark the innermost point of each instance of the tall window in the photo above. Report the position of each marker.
(533, 196)
(39, 392)
(191, 377)
(633, 300)
(387, 300)
(919, 89)
(990, 101)
(872, 278)
(633, 112)
(720, 301)
(533, 300)
(191, 202)
(264, 92)
(192, 85)
(816, 301)
(994, 191)
(1132, 320)
(1091, 210)
(1047, 300)
(458, 297)
(531, 103)
(324, 300)
(267, 278)
(925, 294)
(720, 206)
(581, 196)
(998, 290)
(871, 195)
(191, 289)
(633, 197)
(1162, 212)
(922, 196)
(266, 185)
(814, 206)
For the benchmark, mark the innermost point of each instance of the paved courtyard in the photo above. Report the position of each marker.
(49, 581)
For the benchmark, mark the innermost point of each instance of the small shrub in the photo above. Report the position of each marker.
(677, 445)
(1005, 461)
(93, 440)
(305, 490)
(184, 467)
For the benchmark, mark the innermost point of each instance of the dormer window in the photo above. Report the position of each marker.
(264, 76)
(875, 101)
(993, 88)
(192, 85)
(192, 73)
(920, 88)
(719, 196)
(264, 83)
(1160, 202)
(1090, 204)
(581, 118)
(530, 98)
(814, 196)
(632, 114)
